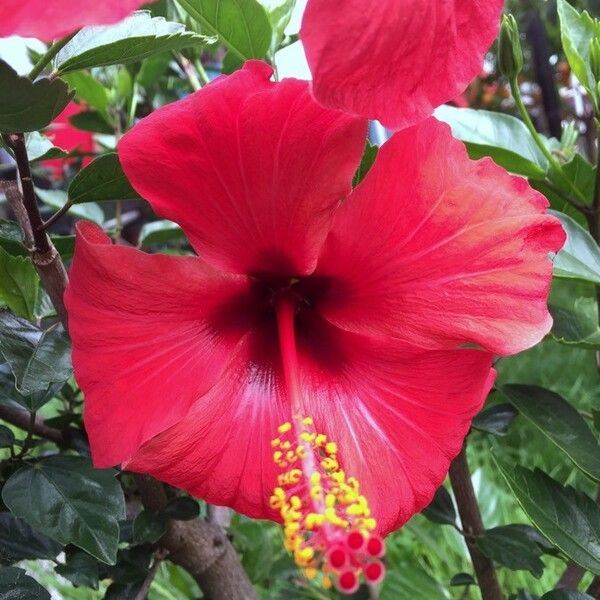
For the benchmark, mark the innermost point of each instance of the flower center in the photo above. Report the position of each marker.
(327, 521)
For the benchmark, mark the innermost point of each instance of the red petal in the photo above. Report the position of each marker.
(439, 250)
(396, 60)
(150, 333)
(51, 19)
(252, 170)
(399, 416)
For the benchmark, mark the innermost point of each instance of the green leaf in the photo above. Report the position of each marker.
(39, 147)
(80, 569)
(568, 518)
(135, 38)
(103, 179)
(409, 581)
(577, 31)
(15, 584)
(92, 121)
(560, 422)
(279, 13)
(183, 508)
(149, 527)
(37, 358)
(441, 509)
(582, 174)
(132, 565)
(241, 25)
(11, 238)
(70, 501)
(368, 158)
(89, 90)
(462, 579)
(577, 327)
(57, 199)
(495, 419)
(580, 256)
(18, 541)
(503, 137)
(160, 232)
(566, 595)
(8, 391)
(7, 440)
(29, 106)
(511, 547)
(19, 284)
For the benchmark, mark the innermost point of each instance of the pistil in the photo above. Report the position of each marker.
(328, 525)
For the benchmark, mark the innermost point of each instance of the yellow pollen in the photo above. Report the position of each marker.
(319, 505)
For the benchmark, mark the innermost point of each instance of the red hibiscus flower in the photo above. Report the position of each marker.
(396, 60)
(52, 19)
(69, 138)
(306, 299)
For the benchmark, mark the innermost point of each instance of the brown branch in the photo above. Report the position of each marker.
(159, 556)
(571, 577)
(201, 548)
(472, 525)
(41, 249)
(22, 419)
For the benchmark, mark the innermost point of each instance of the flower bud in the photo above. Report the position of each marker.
(510, 55)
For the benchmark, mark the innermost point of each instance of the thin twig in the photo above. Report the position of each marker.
(22, 419)
(57, 215)
(472, 525)
(52, 51)
(159, 556)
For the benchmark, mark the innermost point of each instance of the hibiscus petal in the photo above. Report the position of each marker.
(48, 20)
(399, 416)
(252, 170)
(396, 60)
(439, 250)
(151, 334)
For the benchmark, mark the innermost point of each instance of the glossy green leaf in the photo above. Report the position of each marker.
(18, 541)
(495, 419)
(462, 579)
(503, 137)
(441, 508)
(37, 358)
(9, 393)
(511, 547)
(92, 121)
(15, 584)
(566, 595)
(580, 256)
(103, 179)
(138, 36)
(19, 284)
(579, 326)
(7, 439)
(80, 569)
(160, 232)
(39, 147)
(577, 31)
(568, 518)
(26, 105)
(57, 199)
(67, 499)
(241, 25)
(149, 527)
(11, 238)
(183, 508)
(560, 422)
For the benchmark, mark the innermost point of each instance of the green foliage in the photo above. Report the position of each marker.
(135, 38)
(15, 584)
(19, 284)
(67, 499)
(26, 105)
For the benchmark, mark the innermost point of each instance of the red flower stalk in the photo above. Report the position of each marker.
(52, 19)
(396, 60)
(306, 299)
